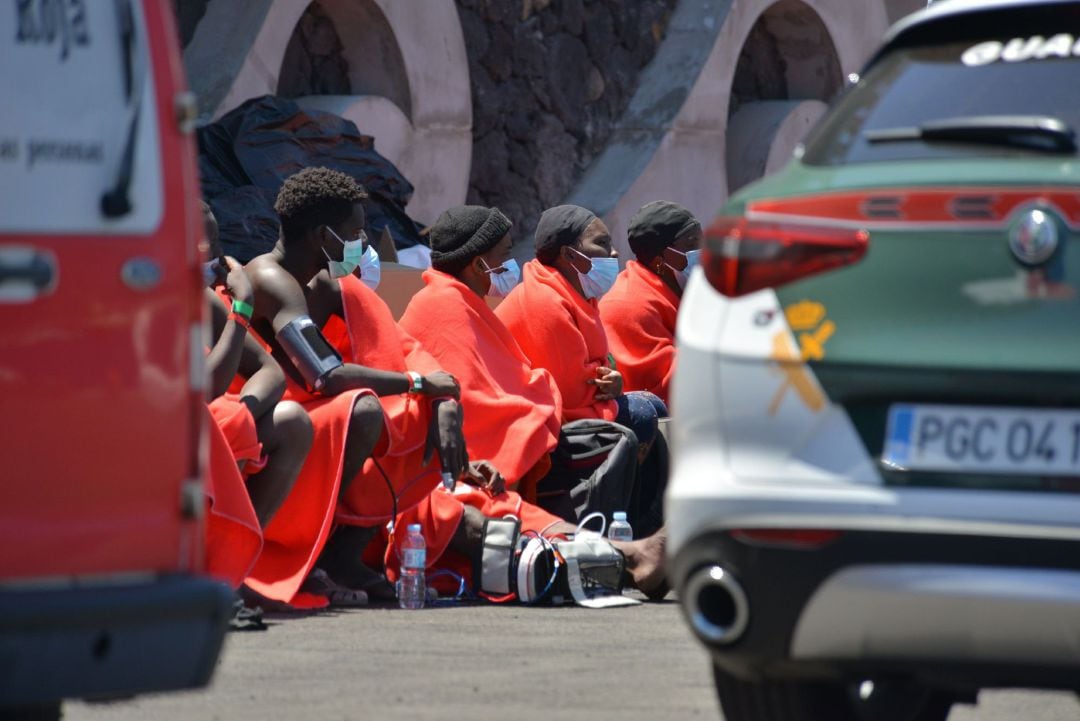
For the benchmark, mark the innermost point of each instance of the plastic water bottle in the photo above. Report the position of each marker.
(619, 530)
(411, 591)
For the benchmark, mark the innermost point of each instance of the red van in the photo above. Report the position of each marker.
(101, 359)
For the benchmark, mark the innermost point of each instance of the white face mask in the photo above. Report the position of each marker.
(370, 269)
(210, 272)
(503, 278)
(600, 277)
(693, 257)
(350, 258)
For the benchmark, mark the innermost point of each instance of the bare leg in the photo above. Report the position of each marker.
(645, 564)
(365, 430)
(341, 558)
(468, 540)
(286, 437)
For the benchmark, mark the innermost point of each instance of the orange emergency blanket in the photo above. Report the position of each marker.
(233, 536)
(639, 316)
(512, 410)
(560, 331)
(296, 535)
(439, 516)
(369, 336)
(235, 420)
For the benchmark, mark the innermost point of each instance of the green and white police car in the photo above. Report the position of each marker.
(874, 506)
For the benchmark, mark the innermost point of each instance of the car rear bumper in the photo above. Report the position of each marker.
(920, 611)
(960, 611)
(83, 641)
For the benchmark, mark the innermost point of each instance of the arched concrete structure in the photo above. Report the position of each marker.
(368, 46)
(678, 151)
(238, 50)
(763, 135)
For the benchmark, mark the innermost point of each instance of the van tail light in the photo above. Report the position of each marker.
(742, 256)
(803, 539)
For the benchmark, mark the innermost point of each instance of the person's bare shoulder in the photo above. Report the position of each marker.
(267, 276)
(275, 289)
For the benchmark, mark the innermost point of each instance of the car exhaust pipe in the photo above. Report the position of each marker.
(716, 605)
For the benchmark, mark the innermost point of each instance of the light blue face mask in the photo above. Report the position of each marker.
(693, 257)
(600, 277)
(503, 278)
(370, 268)
(210, 272)
(351, 257)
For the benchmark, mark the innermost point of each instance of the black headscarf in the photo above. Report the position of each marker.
(658, 225)
(462, 233)
(559, 226)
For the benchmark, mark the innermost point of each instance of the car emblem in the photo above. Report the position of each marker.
(1033, 238)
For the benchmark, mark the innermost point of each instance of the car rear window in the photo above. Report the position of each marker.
(915, 85)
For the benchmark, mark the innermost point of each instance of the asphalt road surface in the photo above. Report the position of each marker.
(481, 663)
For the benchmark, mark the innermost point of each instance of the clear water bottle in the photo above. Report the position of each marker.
(620, 530)
(411, 591)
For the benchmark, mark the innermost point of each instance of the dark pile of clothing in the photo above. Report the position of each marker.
(246, 155)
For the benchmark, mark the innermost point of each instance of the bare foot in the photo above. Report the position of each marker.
(340, 560)
(645, 564)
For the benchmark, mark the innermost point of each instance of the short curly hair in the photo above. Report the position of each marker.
(313, 197)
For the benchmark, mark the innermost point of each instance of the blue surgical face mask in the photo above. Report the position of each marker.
(693, 257)
(600, 277)
(503, 278)
(370, 269)
(350, 257)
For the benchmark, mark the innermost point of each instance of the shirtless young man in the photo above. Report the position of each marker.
(322, 220)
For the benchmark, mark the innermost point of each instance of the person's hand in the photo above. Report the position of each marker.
(445, 436)
(486, 476)
(237, 284)
(608, 383)
(441, 383)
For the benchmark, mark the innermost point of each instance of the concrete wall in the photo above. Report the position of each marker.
(527, 104)
(675, 143)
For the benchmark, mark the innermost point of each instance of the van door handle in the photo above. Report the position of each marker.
(25, 273)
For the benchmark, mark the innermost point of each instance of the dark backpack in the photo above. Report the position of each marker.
(594, 468)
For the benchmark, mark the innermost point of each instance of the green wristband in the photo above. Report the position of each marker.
(612, 359)
(242, 308)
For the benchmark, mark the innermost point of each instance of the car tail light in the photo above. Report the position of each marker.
(806, 539)
(742, 256)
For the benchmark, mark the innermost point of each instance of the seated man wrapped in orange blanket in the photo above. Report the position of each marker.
(514, 411)
(640, 309)
(363, 330)
(557, 325)
(554, 316)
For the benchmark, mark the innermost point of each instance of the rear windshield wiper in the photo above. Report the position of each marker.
(1033, 132)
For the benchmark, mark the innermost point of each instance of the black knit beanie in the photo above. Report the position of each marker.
(464, 232)
(559, 226)
(658, 225)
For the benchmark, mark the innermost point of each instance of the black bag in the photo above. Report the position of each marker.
(593, 469)
(247, 154)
